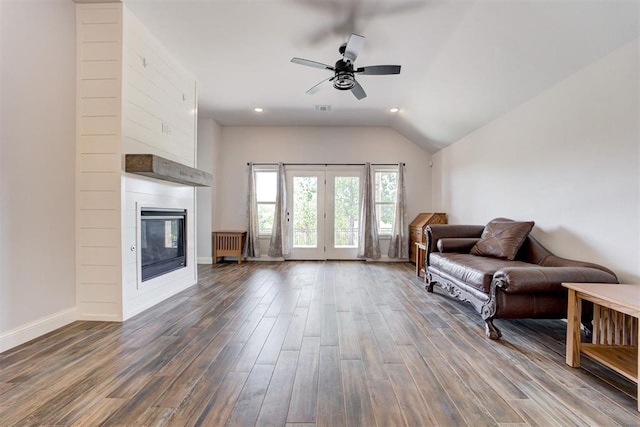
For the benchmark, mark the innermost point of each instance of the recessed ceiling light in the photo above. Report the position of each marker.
(258, 110)
(394, 110)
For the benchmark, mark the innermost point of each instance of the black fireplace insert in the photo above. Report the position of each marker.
(162, 241)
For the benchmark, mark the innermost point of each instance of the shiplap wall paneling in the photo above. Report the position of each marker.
(98, 204)
(159, 98)
(157, 119)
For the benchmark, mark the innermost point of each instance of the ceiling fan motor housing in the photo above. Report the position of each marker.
(344, 79)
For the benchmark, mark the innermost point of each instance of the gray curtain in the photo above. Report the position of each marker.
(252, 243)
(399, 244)
(279, 245)
(368, 242)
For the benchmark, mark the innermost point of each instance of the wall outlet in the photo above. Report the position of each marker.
(166, 129)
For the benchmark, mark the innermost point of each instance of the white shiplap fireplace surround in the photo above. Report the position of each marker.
(132, 98)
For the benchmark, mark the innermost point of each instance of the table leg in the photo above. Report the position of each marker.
(420, 258)
(574, 310)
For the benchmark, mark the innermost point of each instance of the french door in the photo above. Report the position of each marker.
(305, 214)
(323, 212)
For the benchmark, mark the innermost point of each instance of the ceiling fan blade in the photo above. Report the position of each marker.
(378, 70)
(357, 91)
(313, 64)
(353, 48)
(319, 86)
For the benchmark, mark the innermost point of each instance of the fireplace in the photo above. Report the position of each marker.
(162, 241)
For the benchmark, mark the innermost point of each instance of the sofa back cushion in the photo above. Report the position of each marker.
(502, 238)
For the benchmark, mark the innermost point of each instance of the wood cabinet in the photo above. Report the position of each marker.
(417, 228)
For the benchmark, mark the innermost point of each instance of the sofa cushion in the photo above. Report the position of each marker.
(502, 238)
(476, 271)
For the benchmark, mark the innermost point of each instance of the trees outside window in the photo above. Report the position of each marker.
(347, 211)
(346, 205)
(305, 211)
(386, 187)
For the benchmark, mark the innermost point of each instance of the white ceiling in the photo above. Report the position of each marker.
(464, 63)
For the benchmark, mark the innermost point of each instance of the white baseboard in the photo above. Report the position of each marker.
(98, 317)
(385, 258)
(266, 258)
(205, 260)
(37, 328)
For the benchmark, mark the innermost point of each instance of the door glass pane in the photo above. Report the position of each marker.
(347, 194)
(305, 211)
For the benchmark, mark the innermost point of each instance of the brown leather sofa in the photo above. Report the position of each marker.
(527, 286)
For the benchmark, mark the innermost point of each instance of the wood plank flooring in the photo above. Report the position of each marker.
(307, 344)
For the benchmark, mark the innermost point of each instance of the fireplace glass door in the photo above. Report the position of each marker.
(162, 241)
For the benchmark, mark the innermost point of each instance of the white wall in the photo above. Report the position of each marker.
(315, 145)
(209, 140)
(568, 159)
(37, 163)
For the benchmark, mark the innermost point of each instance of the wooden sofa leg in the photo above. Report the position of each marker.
(491, 331)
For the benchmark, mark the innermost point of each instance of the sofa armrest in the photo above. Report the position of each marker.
(457, 244)
(436, 232)
(555, 261)
(522, 280)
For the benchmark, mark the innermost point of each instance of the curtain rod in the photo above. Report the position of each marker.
(326, 164)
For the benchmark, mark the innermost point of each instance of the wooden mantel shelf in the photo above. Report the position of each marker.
(167, 170)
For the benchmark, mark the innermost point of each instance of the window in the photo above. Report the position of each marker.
(266, 188)
(386, 187)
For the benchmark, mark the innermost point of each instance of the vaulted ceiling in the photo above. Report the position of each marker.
(464, 63)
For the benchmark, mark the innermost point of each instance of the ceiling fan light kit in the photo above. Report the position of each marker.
(344, 72)
(344, 80)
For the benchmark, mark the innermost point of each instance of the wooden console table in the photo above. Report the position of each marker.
(616, 309)
(228, 243)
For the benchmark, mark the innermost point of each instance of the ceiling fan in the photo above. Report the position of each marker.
(344, 71)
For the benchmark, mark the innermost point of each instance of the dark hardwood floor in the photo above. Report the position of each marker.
(307, 343)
